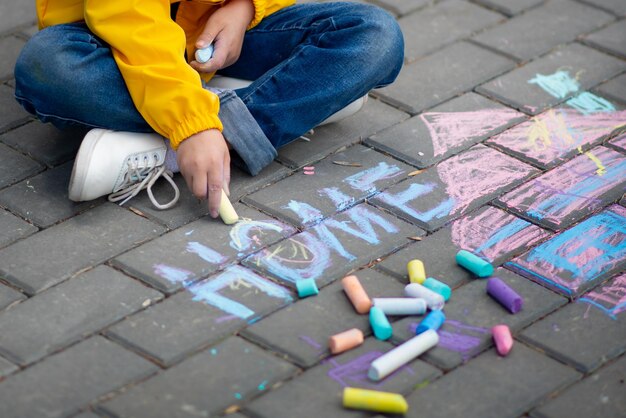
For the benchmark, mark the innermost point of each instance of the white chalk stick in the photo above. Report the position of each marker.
(401, 306)
(391, 361)
(227, 211)
(433, 299)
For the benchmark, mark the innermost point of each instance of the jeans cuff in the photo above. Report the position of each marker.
(244, 134)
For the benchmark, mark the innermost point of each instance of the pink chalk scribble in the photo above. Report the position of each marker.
(451, 129)
(495, 234)
(619, 142)
(550, 136)
(609, 298)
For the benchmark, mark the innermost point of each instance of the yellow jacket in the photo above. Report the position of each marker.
(149, 50)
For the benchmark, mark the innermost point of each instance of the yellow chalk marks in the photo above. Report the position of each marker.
(601, 168)
(539, 135)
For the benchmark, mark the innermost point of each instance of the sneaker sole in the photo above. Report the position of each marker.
(81, 164)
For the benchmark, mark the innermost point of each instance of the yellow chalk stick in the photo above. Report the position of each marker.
(417, 274)
(373, 400)
(227, 211)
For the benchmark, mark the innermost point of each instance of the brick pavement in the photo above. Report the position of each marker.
(501, 136)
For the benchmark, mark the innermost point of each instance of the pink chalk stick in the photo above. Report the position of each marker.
(503, 339)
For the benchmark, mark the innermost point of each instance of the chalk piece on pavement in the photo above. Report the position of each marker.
(506, 296)
(373, 400)
(434, 300)
(417, 273)
(357, 295)
(473, 263)
(503, 339)
(306, 287)
(380, 324)
(345, 341)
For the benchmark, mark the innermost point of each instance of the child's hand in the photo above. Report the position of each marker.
(225, 29)
(204, 162)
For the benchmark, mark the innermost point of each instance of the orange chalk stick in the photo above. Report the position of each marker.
(346, 340)
(356, 294)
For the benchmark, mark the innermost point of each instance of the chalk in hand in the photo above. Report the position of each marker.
(345, 341)
(373, 400)
(204, 54)
(380, 324)
(434, 300)
(503, 339)
(227, 211)
(473, 263)
(507, 297)
(306, 287)
(438, 287)
(356, 293)
(417, 273)
(389, 362)
(401, 306)
(433, 320)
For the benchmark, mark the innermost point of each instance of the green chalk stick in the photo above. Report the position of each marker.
(438, 287)
(306, 287)
(380, 324)
(473, 263)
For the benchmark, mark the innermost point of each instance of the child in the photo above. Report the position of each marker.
(127, 69)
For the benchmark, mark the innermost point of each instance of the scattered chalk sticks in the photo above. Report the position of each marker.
(373, 400)
(438, 287)
(434, 300)
(506, 296)
(227, 211)
(434, 320)
(356, 293)
(397, 357)
(417, 273)
(503, 339)
(380, 324)
(473, 263)
(401, 306)
(306, 287)
(345, 341)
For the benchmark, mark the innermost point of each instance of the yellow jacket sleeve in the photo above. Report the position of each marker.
(148, 48)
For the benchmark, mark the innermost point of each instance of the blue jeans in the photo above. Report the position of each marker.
(308, 61)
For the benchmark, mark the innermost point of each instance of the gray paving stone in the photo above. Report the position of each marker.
(15, 14)
(442, 76)
(9, 296)
(332, 188)
(611, 39)
(10, 48)
(64, 314)
(614, 89)
(15, 167)
(445, 130)
(202, 315)
(66, 382)
(87, 414)
(189, 208)
(231, 373)
(6, 368)
(454, 187)
(510, 7)
(470, 315)
(334, 247)
(579, 258)
(57, 253)
(44, 142)
(43, 199)
(619, 143)
(588, 332)
(202, 247)
(539, 30)
(402, 7)
(494, 386)
(615, 6)
(13, 228)
(599, 395)
(330, 138)
(489, 232)
(328, 380)
(558, 134)
(12, 114)
(563, 196)
(445, 22)
(550, 80)
(305, 342)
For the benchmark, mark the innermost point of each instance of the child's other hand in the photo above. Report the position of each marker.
(204, 162)
(225, 29)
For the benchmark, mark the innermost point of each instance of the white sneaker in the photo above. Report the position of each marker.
(119, 164)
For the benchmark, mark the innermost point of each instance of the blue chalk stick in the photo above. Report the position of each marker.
(204, 54)
(438, 287)
(380, 324)
(434, 320)
(473, 263)
(306, 287)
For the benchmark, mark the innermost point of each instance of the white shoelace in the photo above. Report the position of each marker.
(136, 179)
